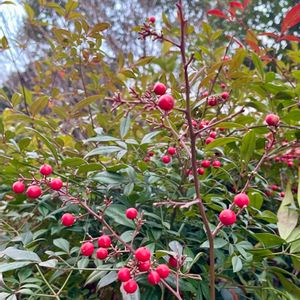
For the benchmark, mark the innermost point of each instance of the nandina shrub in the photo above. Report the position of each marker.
(154, 171)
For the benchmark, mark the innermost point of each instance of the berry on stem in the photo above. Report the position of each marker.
(171, 150)
(212, 101)
(124, 274)
(213, 134)
(173, 262)
(205, 163)
(34, 191)
(201, 171)
(144, 266)
(227, 217)
(166, 102)
(104, 241)
(272, 120)
(56, 184)
(46, 170)
(209, 140)
(153, 278)
(18, 187)
(274, 187)
(152, 19)
(87, 249)
(166, 159)
(101, 253)
(68, 219)
(225, 95)
(241, 200)
(142, 254)
(130, 286)
(163, 271)
(216, 164)
(159, 89)
(131, 213)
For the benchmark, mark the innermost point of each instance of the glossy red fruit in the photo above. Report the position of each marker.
(225, 95)
(163, 271)
(150, 153)
(226, 58)
(274, 187)
(282, 194)
(87, 249)
(194, 123)
(152, 19)
(290, 163)
(101, 253)
(166, 159)
(205, 94)
(241, 200)
(171, 150)
(56, 184)
(216, 164)
(131, 213)
(205, 163)
(142, 254)
(209, 140)
(153, 278)
(227, 217)
(159, 89)
(222, 129)
(130, 286)
(277, 159)
(166, 102)
(268, 193)
(146, 159)
(34, 191)
(124, 274)
(18, 187)
(201, 171)
(144, 266)
(173, 262)
(68, 219)
(202, 124)
(104, 241)
(272, 120)
(46, 170)
(212, 101)
(223, 85)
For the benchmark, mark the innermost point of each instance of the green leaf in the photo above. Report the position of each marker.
(248, 146)
(268, 239)
(51, 263)
(73, 162)
(17, 254)
(38, 105)
(125, 125)
(62, 244)
(102, 138)
(237, 264)
(103, 150)
(98, 28)
(13, 266)
(117, 213)
(221, 142)
(258, 64)
(107, 279)
(218, 243)
(287, 216)
(85, 103)
(149, 136)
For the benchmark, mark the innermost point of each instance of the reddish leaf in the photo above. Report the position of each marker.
(291, 19)
(236, 4)
(253, 45)
(232, 12)
(289, 38)
(246, 2)
(269, 34)
(218, 13)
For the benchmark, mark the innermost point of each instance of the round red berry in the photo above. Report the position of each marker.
(18, 187)
(282, 194)
(124, 274)
(274, 187)
(223, 85)
(272, 120)
(209, 140)
(34, 191)
(201, 171)
(290, 163)
(241, 200)
(87, 249)
(153, 278)
(46, 170)
(150, 153)
(212, 101)
(171, 150)
(131, 213)
(101, 253)
(152, 19)
(205, 94)
(163, 271)
(173, 262)
(159, 89)
(144, 265)
(202, 124)
(205, 163)
(104, 241)
(142, 254)
(166, 159)
(130, 286)
(225, 95)
(166, 102)
(227, 217)
(213, 134)
(194, 123)
(56, 184)
(68, 219)
(216, 164)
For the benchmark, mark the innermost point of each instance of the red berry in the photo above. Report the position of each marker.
(159, 89)
(18, 187)
(216, 164)
(166, 159)
(222, 129)
(101, 253)
(152, 19)
(268, 193)
(153, 278)
(104, 241)
(225, 58)
(146, 159)
(173, 262)
(212, 101)
(205, 94)
(46, 170)
(87, 249)
(225, 95)
(163, 271)
(272, 120)
(124, 274)
(130, 286)
(241, 200)
(144, 266)
(150, 153)
(201, 171)
(194, 123)
(209, 140)
(171, 150)
(142, 254)
(34, 191)
(166, 102)
(227, 217)
(56, 184)
(223, 85)
(290, 163)
(274, 187)
(68, 219)
(131, 213)
(282, 194)
(205, 163)
(213, 134)
(277, 159)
